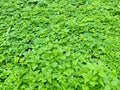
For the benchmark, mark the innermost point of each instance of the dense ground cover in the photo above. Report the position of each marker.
(59, 45)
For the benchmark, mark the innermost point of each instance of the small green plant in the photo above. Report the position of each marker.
(59, 45)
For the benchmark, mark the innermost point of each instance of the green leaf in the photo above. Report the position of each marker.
(115, 82)
(85, 87)
(68, 72)
(54, 64)
(107, 87)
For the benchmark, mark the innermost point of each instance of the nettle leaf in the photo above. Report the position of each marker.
(102, 74)
(54, 64)
(91, 66)
(68, 72)
(86, 77)
(93, 83)
(101, 81)
(85, 87)
(95, 78)
(107, 87)
(106, 80)
(115, 82)
(71, 79)
(34, 66)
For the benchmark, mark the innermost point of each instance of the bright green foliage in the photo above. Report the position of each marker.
(59, 44)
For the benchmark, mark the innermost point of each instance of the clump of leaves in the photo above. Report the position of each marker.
(99, 76)
(59, 44)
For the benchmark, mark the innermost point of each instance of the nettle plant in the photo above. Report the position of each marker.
(59, 45)
(99, 76)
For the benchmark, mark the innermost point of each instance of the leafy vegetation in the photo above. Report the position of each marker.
(59, 45)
